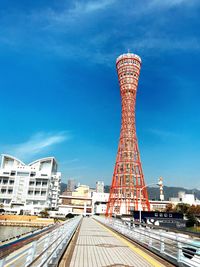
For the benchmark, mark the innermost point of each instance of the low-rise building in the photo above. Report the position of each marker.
(83, 200)
(185, 198)
(99, 202)
(77, 202)
(30, 188)
(158, 205)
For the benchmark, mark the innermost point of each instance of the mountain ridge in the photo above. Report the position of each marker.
(154, 193)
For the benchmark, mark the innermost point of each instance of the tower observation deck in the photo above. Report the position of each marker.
(128, 191)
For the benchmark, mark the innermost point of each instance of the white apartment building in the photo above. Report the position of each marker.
(99, 202)
(185, 198)
(31, 187)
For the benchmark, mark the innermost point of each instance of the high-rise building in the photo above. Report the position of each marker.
(128, 191)
(31, 187)
(71, 185)
(100, 187)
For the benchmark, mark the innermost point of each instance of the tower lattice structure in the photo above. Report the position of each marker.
(128, 191)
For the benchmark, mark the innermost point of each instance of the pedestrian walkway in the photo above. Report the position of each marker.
(97, 246)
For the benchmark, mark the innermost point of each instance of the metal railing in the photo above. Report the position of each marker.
(45, 250)
(180, 249)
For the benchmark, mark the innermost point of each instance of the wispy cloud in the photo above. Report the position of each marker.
(170, 3)
(92, 6)
(36, 144)
(69, 162)
(70, 14)
(163, 134)
(164, 44)
(81, 28)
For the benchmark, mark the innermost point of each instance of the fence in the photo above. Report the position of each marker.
(180, 249)
(44, 251)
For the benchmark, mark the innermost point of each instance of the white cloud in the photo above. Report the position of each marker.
(59, 30)
(36, 144)
(164, 133)
(60, 20)
(170, 3)
(92, 6)
(164, 44)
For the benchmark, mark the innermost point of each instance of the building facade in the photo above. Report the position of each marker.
(100, 187)
(99, 202)
(31, 187)
(185, 198)
(77, 202)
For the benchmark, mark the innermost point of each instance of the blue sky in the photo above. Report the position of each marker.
(60, 94)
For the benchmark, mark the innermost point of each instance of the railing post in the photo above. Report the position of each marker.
(162, 244)
(179, 252)
(150, 238)
(31, 253)
(141, 234)
(2, 261)
(46, 244)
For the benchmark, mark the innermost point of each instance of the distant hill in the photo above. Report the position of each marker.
(154, 193)
(169, 191)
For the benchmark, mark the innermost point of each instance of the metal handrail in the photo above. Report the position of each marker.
(175, 247)
(44, 250)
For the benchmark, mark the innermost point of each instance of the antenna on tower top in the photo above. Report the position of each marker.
(128, 50)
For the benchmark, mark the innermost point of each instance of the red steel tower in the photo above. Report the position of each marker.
(128, 191)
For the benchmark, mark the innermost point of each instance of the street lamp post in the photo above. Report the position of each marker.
(140, 209)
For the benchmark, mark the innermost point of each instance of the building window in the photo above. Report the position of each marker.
(30, 192)
(23, 173)
(31, 183)
(10, 191)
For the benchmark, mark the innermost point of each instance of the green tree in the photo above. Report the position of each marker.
(182, 208)
(190, 212)
(169, 207)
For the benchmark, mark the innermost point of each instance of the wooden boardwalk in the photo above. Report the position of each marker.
(97, 246)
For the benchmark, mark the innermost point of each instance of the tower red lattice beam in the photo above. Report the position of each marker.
(128, 176)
